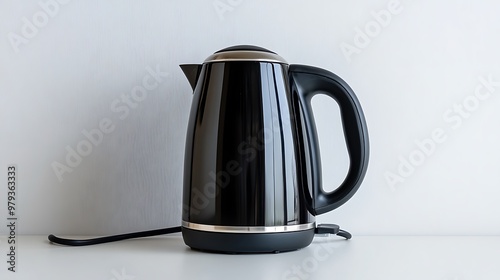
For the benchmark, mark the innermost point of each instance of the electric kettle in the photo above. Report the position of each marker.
(252, 169)
(252, 173)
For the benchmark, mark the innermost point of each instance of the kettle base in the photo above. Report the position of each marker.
(245, 243)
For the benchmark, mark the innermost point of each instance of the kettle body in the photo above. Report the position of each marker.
(252, 170)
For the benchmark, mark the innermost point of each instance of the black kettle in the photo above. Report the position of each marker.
(252, 174)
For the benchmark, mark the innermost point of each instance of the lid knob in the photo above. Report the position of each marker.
(245, 53)
(245, 48)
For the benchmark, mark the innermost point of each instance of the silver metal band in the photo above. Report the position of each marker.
(243, 229)
(245, 56)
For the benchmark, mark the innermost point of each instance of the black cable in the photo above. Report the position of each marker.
(320, 229)
(332, 229)
(112, 238)
(344, 234)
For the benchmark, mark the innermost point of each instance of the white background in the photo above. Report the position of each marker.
(427, 58)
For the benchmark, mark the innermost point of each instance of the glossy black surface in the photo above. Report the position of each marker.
(242, 164)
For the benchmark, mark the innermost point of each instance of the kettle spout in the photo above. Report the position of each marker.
(192, 72)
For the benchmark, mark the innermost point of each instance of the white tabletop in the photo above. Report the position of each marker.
(166, 257)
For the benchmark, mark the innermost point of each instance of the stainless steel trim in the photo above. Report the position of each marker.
(245, 56)
(243, 229)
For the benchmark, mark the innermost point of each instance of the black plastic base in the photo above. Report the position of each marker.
(247, 242)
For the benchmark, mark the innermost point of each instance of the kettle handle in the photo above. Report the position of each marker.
(306, 82)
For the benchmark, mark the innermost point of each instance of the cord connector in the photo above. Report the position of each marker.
(327, 229)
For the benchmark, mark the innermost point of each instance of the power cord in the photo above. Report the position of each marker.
(111, 238)
(322, 229)
(326, 229)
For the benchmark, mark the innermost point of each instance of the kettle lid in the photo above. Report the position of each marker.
(245, 53)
